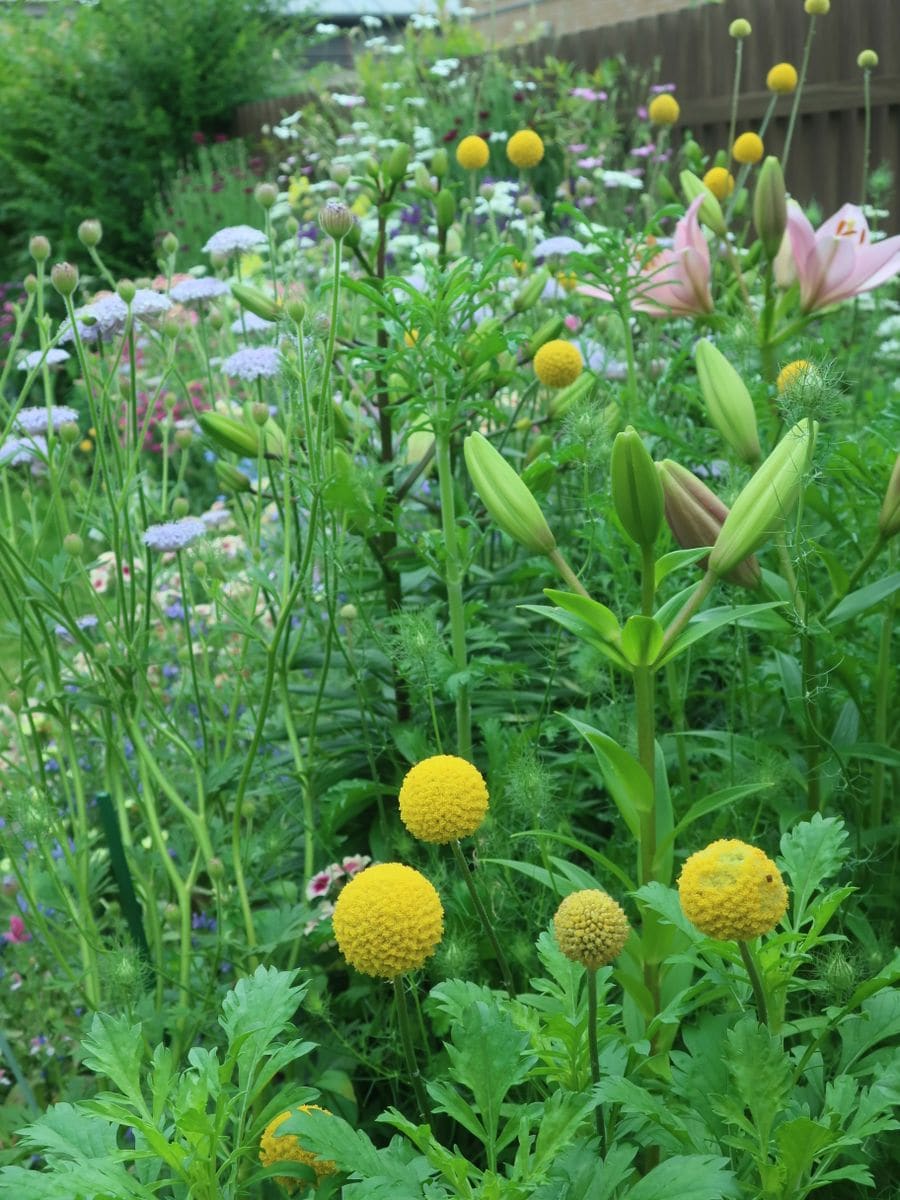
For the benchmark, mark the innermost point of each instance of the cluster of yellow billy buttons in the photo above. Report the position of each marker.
(524, 150)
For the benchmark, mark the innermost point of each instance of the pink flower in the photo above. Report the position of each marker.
(584, 93)
(673, 282)
(354, 863)
(17, 931)
(836, 261)
(318, 885)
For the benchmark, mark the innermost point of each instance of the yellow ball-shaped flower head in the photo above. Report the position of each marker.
(388, 920)
(720, 182)
(473, 153)
(557, 363)
(663, 110)
(782, 79)
(817, 8)
(732, 891)
(274, 1149)
(442, 799)
(796, 374)
(748, 148)
(591, 928)
(525, 149)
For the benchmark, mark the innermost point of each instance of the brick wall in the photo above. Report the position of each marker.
(522, 20)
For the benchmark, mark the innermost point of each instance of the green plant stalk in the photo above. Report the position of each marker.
(747, 167)
(676, 705)
(594, 1050)
(198, 697)
(484, 918)
(867, 134)
(325, 406)
(646, 734)
(28, 1096)
(702, 590)
(630, 394)
(795, 107)
(409, 1050)
(453, 574)
(567, 573)
(884, 679)
(756, 982)
(736, 90)
(813, 753)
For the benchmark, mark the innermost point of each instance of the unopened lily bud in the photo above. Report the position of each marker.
(266, 195)
(561, 401)
(256, 301)
(421, 177)
(541, 445)
(506, 498)
(547, 332)
(445, 208)
(169, 243)
(889, 517)
(336, 219)
(230, 478)
(64, 277)
(710, 212)
(397, 163)
(765, 501)
(636, 490)
(695, 515)
(39, 248)
(90, 233)
(73, 545)
(770, 206)
(729, 404)
(125, 289)
(440, 163)
(529, 295)
(231, 433)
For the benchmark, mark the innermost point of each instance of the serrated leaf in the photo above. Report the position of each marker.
(664, 901)
(561, 1116)
(330, 1137)
(115, 1048)
(255, 1012)
(689, 1177)
(800, 1142)
(580, 1175)
(761, 1072)
(812, 852)
(878, 1021)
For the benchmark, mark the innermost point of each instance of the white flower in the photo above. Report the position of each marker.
(415, 101)
(620, 179)
(32, 421)
(254, 362)
(235, 239)
(445, 67)
(423, 21)
(326, 30)
(375, 43)
(250, 323)
(15, 451)
(174, 535)
(346, 100)
(53, 358)
(369, 22)
(105, 317)
(195, 291)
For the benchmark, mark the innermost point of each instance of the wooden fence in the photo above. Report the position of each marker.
(695, 52)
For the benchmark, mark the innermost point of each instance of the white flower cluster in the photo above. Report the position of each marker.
(32, 421)
(174, 535)
(235, 239)
(196, 291)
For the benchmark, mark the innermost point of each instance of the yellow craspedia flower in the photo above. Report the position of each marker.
(473, 153)
(443, 798)
(591, 928)
(568, 281)
(732, 891)
(274, 1149)
(410, 337)
(663, 110)
(557, 363)
(817, 8)
(525, 149)
(795, 374)
(748, 148)
(388, 920)
(720, 182)
(782, 78)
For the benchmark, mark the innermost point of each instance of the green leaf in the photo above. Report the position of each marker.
(331, 1137)
(863, 599)
(711, 619)
(700, 808)
(674, 560)
(580, 1175)
(601, 619)
(878, 1021)
(116, 1049)
(642, 640)
(255, 1012)
(589, 852)
(687, 1177)
(664, 901)
(562, 1114)
(800, 1142)
(627, 781)
(581, 629)
(812, 851)
(761, 1071)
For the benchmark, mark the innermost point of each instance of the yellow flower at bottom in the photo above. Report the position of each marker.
(782, 79)
(525, 149)
(732, 891)
(558, 363)
(443, 798)
(473, 153)
(720, 182)
(274, 1149)
(748, 148)
(591, 928)
(388, 920)
(796, 374)
(663, 110)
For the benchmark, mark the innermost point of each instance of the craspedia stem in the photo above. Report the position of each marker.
(595, 1051)
(408, 1049)
(759, 991)
(484, 918)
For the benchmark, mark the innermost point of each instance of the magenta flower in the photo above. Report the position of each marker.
(674, 281)
(836, 261)
(17, 931)
(585, 93)
(319, 885)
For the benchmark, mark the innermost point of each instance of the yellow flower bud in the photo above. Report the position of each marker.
(663, 110)
(782, 79)
(867, 60)
(473, 153)
(817, 8)
(505, 496)
(748, 148)
(525, 149)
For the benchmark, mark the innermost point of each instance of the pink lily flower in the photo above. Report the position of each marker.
(675, 281)
(836, 261)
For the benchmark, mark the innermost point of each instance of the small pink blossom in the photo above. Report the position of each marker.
(318, 885)
(585, 93)
(572, 323)
(354, 863)
(17, 931)
(577, 147)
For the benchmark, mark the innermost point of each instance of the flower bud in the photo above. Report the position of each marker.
(256, 301)
(231, 434)
(867, 60)
(14, 700)
(421, 178)
(760, 509)
(889, 517)
(339, 173)
(506, 498)
(259, 414)
(29, 283)
(216, 318)
(169, 243)
(445, 208)
(39, 248)
(230, 478)
(69, 433)
(770, 206)
(561, 401)
(440, 163)
(64, 277)
(547, 332)
(710, 212)
(695, 515)
(73, 545)
(266, 195)
(180, 507)
(215, 867)
(171, 328)
(636, 491)
(348, 613)
(183, 438)
(529, 295)
(125, 290)
(336, 219)
(740, 28)
(292, 227)
(817, 8)
(90, 233)
(295, 309)
(727, 401)
(542, 444)
(397, 163)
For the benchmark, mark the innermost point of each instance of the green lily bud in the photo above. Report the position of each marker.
(766, 500)
(561, 401)
(231, 433)
(256, 301)
(770, 206)
(710, 212)
(542, 444)
(636, 490)
(398, 162)
(665, 191)
(696, 515)
(506, 497)
(274, 442)
(421, 178)
(545, 333)
(231, 479)
(729, 404)
(889, 517)
(440, 163)
(445, 208)
(529, 295)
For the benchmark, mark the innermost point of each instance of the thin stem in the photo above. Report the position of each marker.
(795, 107)
(409, 1050)
(704, 587)
(631, 390)
(198, 697)
(867, 133)
(759, 991)
(484, 918)
(736, 90)
(567, 573)
(594, 1050)
(884, 679)
(648, 580)
(646, 738)
(8, 1053)
(453, 580)
(862, 566)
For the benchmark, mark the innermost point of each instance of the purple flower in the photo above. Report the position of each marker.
(584, 93)
(658, 88)
(52, 358)
(39, 419)
(15, 451)
(174, 535)
(235, 239)
(196, 291)
(590, 163)
(249, 322)
(253, 362)
(561, 244)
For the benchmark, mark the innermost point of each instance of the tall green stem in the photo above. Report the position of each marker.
(567, 573)
(759, 991)
(795, 107)
(884, 682)
(453, 579)
(486, 923)
(408, 1049)
(867, 133)
(594, 1050)
(736, 90)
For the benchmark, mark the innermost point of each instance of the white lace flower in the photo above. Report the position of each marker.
(174, 535)
(235, 239)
